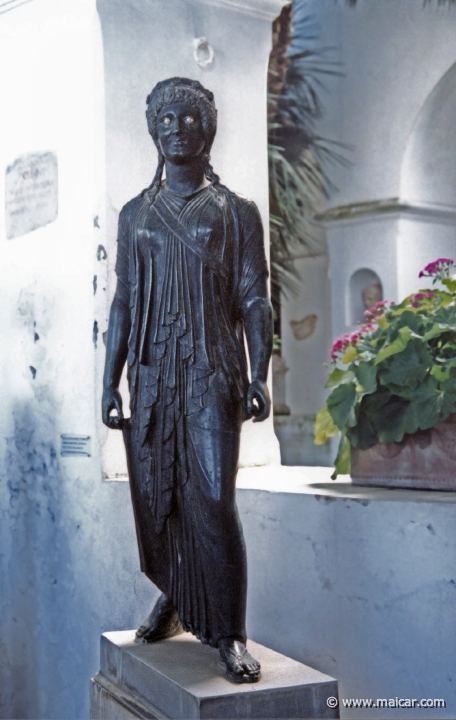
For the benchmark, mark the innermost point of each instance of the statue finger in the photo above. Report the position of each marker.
(118, 406)
(115, 422)
(263, 410)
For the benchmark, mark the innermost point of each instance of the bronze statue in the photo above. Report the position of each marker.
(191, 280)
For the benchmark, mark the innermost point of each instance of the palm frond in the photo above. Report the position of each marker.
(297, 155)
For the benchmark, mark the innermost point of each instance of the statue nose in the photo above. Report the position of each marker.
(177, 126)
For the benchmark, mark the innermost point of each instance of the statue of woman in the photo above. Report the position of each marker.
(191, 280)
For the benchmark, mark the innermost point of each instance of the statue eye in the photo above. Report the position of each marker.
(166, 120)
(190, 119)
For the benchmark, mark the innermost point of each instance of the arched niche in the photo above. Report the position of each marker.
(364, 290)
(428, 173)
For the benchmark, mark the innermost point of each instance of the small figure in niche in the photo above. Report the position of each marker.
(191, 279)
(371, 294)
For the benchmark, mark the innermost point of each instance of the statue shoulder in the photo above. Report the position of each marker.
(244, 206)
(130, 209)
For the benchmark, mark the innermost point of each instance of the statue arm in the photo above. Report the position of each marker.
(258, 326)
(256, 312)
(118, 332)
(116, 355)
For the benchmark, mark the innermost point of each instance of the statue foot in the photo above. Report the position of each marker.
(163, 622)
(236, 661)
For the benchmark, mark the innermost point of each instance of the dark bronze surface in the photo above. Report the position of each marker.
(191, 280)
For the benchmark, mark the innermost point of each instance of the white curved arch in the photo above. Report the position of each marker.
(428, 173)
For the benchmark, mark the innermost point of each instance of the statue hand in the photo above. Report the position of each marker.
(112, 400)
(258, 391)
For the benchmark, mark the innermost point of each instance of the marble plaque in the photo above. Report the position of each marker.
(31, 193)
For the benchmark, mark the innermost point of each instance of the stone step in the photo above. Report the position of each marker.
(180, 678)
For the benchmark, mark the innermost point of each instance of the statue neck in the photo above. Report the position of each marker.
(185, 179)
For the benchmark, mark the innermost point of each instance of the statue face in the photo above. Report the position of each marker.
(180, 133)
(371, 294)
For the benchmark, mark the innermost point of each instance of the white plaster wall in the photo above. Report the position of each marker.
(306, 377)
(428, 173)
(394, 108)
(419, 242)
(392, 54)
(361, 243)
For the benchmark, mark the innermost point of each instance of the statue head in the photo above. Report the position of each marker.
(190, 92)
(179, 94)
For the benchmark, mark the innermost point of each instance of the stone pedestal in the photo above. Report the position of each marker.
(180, 678)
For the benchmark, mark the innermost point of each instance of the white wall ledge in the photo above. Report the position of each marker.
(263, 9)
(379, 209)
(305, 480)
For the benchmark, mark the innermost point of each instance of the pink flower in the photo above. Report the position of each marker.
(340, 345)
(420, 296)
(437, 268)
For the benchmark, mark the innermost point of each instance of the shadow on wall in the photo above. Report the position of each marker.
(36, 556)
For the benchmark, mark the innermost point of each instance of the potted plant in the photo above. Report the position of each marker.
(393, 391)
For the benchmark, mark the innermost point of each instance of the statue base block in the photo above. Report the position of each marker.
(180, 678)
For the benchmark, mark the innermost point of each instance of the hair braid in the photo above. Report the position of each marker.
(154, 187)
(209, 170)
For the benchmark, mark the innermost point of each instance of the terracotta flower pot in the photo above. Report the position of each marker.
(425, 460)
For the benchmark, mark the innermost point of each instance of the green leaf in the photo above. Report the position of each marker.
(427, 404)
(366, 375)
(408, 367)
(436, 330)
(343, 459)
(394, 420)
(339, 377)
(411, 320)
(340, 405)
(440, 372)
(450, 284)
(363, 435)
(324, 427)
(399, 417)
(372, 404)
(397, 346)
(449, 398)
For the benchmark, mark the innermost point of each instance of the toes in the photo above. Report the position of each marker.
(250, 665)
